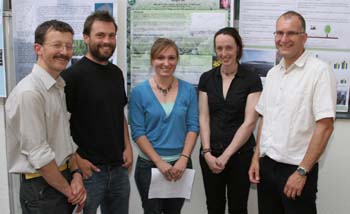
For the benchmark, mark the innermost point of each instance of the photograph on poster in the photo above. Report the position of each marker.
(261, 61)
(104, 6)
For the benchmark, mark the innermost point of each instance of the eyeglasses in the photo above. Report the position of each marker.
(280, 34)
(60, 46)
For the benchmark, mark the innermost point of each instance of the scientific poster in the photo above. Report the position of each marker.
(28, 14)
(327, 26)
(190, 23)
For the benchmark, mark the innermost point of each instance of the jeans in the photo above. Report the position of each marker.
(37, 196)
(109, 188)
(155, 205)
(232, 182)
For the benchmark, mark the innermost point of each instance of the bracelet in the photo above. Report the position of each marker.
(186, 156)
(206, 150)
(77, 170)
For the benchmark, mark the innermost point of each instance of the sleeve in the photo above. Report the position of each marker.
(202, 82)
(125, 97)
(325, 95)
(136, 115)
(69, 89)
(192, 121)
(255, 83)
(33, 136)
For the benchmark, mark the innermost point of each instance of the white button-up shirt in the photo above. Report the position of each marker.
(37, 123)
(291, 102)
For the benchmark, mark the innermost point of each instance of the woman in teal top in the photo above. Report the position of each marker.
(164, 124)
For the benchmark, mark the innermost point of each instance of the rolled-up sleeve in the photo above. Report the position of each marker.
(33, 134)
(324, 99)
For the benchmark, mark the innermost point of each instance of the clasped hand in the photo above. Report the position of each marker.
(173, 173)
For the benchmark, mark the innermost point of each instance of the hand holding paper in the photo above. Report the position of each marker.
(160, 187)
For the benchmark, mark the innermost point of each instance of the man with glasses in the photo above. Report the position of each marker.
(297, 109)
(96, 99)
(38, 136)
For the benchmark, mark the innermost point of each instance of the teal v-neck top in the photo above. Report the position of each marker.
(166, 133)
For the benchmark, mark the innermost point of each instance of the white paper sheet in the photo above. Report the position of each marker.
(162, 188)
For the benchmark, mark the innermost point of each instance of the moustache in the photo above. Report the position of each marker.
(61, 56)
(106, 45)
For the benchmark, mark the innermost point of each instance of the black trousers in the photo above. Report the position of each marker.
(37, 196)
(271, 198)
(232, 183)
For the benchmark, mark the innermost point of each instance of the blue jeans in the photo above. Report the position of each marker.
(155, 205)
(109, 188)
(37, 196)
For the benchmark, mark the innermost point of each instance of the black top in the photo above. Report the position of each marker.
(96, 98)
(227, 115)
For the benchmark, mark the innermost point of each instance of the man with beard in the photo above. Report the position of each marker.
(39, 141)
(96, 99)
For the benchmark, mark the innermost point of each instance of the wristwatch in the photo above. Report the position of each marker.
(302, 171)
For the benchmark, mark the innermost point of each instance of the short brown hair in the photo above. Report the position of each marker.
(43, 28)
(100, 15)
(292, 13)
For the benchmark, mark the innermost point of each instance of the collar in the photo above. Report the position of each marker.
(240, 72)
(46, 78)
(300, 62)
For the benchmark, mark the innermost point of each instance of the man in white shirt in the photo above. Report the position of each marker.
(38, 135)
(297, 107)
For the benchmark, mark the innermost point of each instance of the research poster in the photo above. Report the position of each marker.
(327, 26)
(28, 14)
(190, 23)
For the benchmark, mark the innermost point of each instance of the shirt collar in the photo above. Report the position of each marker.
(239, 73)
(46, 78)
(300, 62)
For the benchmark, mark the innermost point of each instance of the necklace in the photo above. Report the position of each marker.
(229, 75)
(164, 91)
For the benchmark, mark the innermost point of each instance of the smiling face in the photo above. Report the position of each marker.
(226, 49)
(164, 64)
(56, 51)
(101, 42)
(291, 46)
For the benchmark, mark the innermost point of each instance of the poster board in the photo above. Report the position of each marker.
(327, 26)
(28, 14)
(190, 23)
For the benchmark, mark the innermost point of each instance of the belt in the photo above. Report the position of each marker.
(28, 176)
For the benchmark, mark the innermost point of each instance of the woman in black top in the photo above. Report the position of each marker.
(227, 98)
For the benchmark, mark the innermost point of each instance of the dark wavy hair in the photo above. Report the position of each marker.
(100, 15)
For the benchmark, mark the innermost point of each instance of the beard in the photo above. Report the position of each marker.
(99, 55)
